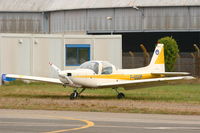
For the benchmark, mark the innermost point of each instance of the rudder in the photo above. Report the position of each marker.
(157, 63)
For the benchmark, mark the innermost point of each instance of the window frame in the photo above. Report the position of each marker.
(77, 46)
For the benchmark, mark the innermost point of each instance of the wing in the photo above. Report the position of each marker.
(171, 73)
(143, 83)
(34, 78)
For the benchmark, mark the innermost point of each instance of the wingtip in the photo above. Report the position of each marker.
(189, 77)
(3, 76)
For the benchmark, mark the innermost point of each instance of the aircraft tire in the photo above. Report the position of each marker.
(74, 95)
(120, 96)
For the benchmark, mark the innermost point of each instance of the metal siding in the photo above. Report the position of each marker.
(97, 20)
(21, 22)
(53, 5)
(128, 19)
(194, 18)
(75, 20)
(57, 22)
(166, 18)
(94, 20)
(45, 22)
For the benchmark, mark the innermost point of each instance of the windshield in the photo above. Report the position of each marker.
(106, 68)
(91, 65)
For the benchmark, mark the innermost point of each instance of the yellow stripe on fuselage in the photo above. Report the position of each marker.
(121, 76)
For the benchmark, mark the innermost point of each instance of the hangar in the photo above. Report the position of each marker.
(138, 21)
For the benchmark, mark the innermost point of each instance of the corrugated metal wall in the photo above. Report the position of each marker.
(194, 18)
(75, 20)
(57, 22)
(128, 19)
(168, 18)
(96, 20)
(21, 22)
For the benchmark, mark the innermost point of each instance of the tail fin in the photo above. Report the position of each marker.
(157, 63)
(54, 67)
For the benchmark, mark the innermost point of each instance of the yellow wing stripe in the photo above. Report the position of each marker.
(121, 76)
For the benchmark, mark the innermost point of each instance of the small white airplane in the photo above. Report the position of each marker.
(102, 74)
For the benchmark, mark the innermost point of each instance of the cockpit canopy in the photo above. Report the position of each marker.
(99, 67)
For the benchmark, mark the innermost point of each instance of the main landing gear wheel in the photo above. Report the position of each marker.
(74, 95)
(120, 95)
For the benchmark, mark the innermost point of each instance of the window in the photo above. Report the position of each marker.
(106, 68)
(77, 54)
(91, 65)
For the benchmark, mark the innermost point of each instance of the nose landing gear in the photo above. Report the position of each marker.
(75, 94)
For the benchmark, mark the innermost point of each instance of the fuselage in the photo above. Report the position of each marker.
(87, 78)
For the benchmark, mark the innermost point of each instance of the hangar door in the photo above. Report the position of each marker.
(185, 40)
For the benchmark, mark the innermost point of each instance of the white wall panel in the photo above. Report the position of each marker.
(16, 55)
(108, 49)
(30, 54)
(46, 50)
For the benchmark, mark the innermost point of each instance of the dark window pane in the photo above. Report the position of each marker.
(71, 56)
(83, 55)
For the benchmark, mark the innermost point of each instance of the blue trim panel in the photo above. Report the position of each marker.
(89, 53)
(4, 78)
(77, 45)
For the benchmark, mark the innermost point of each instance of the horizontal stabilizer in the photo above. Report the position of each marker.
(144, 82)
(34, 78)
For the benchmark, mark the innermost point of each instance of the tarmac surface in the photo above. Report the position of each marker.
(40, 121)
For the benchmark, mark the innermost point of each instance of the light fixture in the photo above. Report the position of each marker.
(20, 41)
(109, 18)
